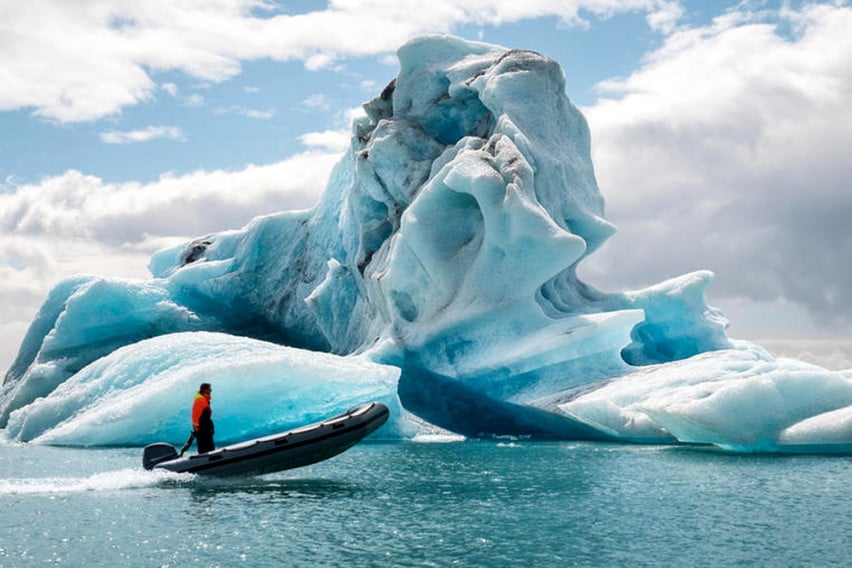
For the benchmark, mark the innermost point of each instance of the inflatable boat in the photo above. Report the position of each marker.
(296, 448)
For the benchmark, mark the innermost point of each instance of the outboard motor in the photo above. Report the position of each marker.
(158, 453)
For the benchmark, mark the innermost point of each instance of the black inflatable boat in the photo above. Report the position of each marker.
(296, 448)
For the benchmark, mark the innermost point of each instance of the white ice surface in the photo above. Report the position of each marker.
(144, 392)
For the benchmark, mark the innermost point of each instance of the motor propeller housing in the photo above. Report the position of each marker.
(157, 453)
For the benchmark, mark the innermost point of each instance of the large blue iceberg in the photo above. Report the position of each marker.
(438, 273)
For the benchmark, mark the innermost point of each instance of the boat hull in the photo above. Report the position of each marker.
(287, 450)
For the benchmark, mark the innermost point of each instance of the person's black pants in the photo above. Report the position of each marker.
(204, 440)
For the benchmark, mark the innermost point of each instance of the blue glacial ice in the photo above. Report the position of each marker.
(438, 273)
(138, 392)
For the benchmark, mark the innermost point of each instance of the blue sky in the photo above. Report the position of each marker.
(720, 135)
(258, 115)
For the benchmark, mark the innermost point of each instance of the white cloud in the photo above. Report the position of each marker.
(194, 100)
(88, 59)
(259, 114)
(317, 101)
(248, 112)
(666, 17)
(83, 207)
(728, 150)
(321, 61)
(144, 135)
(330, 140)
(830, 353)
(170, 88)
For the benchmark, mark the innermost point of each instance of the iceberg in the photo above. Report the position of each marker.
(138, 393)
(438, 274)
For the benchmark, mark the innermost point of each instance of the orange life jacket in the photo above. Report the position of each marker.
(201, 402)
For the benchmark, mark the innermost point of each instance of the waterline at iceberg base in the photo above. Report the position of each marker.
(436, 274)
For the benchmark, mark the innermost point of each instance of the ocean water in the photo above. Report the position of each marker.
(461, 503)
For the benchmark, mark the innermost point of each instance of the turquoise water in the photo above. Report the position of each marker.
(468, 503)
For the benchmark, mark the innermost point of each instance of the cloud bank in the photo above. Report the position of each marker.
(143, 135)
(728, 150)
(84, 60)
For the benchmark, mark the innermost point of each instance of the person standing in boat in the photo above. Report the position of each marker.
(202, 423)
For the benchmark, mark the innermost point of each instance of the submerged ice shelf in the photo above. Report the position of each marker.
(436, 274)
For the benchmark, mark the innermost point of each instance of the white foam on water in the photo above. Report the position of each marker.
(438, 438)
(107, 481)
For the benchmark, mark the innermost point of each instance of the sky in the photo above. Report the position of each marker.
(721, 136)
